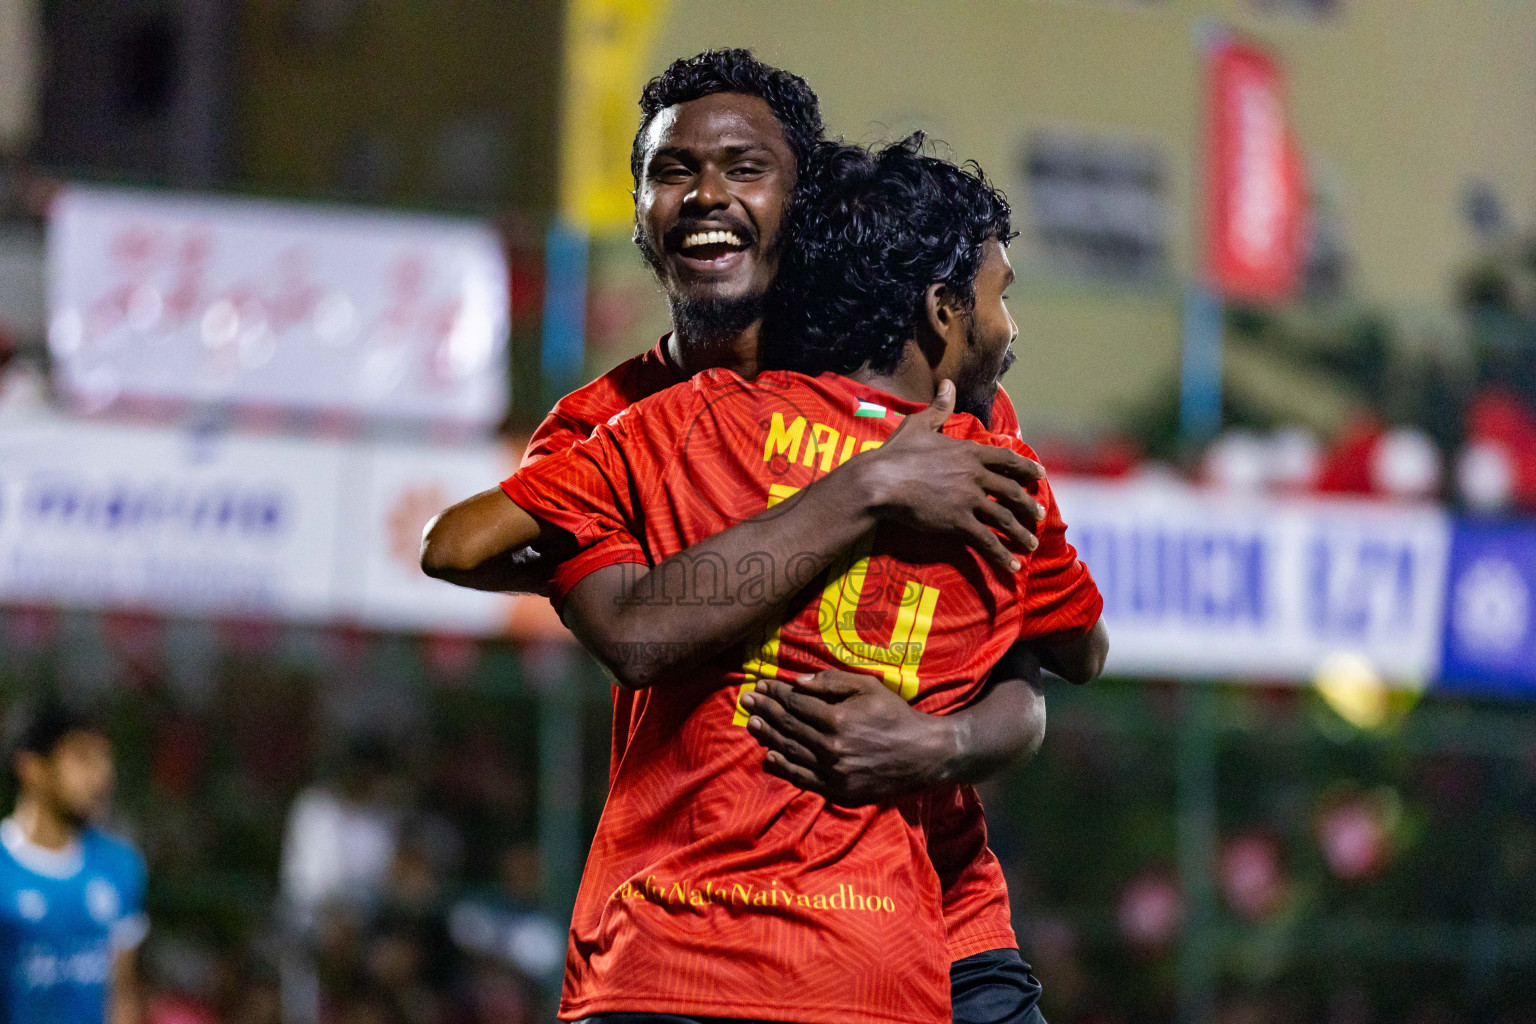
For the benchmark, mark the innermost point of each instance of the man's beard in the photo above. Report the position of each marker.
(975, 394)
(708, 320)
(978, 403)
(704, 320)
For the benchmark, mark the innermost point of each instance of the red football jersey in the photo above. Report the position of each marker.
(712, 887)
(977, 915)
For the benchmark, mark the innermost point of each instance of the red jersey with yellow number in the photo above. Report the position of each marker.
(977, 915)
(713, 888)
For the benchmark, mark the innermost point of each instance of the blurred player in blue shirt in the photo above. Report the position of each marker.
(71, 898)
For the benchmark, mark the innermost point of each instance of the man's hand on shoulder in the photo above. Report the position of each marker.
(848, 737)
(923, 478)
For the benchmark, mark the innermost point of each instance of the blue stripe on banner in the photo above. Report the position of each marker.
(563, 351)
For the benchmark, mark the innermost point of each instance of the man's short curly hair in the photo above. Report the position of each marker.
(867, 233)
(734, 70)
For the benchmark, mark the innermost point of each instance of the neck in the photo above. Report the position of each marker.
(736, 352)
(913, 379)
(42, 826)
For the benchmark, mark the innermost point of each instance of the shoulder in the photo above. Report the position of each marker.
(964, 425)
(671, 401)
(596, 401)
(113, 855)
(716, 389)
(743, 405)
(576, 415)
(777, 385)
(649, 432)
(631, 381)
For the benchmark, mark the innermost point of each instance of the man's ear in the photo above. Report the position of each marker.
(941, 312)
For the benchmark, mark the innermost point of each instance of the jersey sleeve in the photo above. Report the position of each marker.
(593, 490)
(578, 414)
(557, 433)
(587, 491)
(1060, 596)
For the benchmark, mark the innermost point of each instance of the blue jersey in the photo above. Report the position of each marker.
(64, 915)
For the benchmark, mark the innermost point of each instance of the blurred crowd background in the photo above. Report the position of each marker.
(366, 799)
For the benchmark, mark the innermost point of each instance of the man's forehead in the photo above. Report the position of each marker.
(720, 121)
(994, 258)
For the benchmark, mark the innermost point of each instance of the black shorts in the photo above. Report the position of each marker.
(994, 987)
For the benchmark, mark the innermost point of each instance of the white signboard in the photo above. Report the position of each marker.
(137, 517)
(99, 515)
(176, 300)
(1194, 583)
(1197, 583)
(399, 488)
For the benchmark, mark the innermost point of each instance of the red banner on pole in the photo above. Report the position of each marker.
(1255, 187)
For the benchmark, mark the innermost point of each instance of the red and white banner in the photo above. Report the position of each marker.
(161, 301)
(1255, 183)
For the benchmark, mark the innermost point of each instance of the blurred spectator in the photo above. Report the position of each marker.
(338, 849)
(504, 923)
(73, 895)
(341, 837)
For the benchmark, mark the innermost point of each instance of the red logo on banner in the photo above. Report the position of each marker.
(1257, 202)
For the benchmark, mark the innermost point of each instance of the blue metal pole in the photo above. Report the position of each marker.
(1200, 375)
(563, 351)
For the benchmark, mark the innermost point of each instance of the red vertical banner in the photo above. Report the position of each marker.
(1255, 185)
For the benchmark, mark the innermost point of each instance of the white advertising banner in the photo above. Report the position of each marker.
(214, 301)
(399, 488)
(96, 515)
(99, 515)
(1195, 583)
(1207, 584)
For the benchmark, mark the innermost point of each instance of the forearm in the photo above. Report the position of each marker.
(646, 625)
(1007, 723)
(488, 543)
(1078, 659)
(525, 571)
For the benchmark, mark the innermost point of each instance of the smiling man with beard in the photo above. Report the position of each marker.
(720, 143)
(713, 889)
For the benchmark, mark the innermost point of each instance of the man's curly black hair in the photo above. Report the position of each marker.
(733, 70)
(866, 234)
